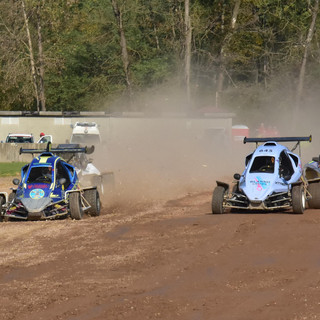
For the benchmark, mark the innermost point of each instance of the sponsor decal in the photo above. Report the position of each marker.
(38, 186)
(36, 194)
(261, 184)
(43, 159)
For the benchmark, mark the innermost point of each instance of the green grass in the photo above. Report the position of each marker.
(10, 168)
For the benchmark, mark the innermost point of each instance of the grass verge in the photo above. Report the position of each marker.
(10, 168)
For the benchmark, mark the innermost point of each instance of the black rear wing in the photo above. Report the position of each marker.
(280, 139)
(64, 148)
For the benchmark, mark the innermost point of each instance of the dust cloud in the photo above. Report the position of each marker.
(159, 159)
(279, 115)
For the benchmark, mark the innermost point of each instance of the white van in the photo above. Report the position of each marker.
(85, 133)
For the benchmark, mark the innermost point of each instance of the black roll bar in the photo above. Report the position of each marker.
(61, 149)
(278, 139)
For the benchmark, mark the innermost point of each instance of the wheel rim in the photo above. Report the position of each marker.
(303, 200)
(98, 203)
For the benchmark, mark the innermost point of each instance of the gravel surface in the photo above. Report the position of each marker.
(162, 259)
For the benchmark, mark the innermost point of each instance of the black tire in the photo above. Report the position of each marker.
(217, 200)
(314, 189)
(298, 199)
(2, 202)
(75, 206)
(92, 196)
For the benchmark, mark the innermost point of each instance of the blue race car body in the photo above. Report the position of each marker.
(50, 188)
(272, 180)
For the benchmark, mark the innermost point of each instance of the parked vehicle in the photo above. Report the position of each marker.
(19, 138)
(85, 133)
(45, 139)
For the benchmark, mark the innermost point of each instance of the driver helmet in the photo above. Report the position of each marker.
(42, 134)
(47, 171)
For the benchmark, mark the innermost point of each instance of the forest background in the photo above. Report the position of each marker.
(251, 57)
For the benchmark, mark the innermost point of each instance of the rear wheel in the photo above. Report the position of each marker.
(314, 189)
(75, 206)
(92, 196)
(298, 199)
(217, 200)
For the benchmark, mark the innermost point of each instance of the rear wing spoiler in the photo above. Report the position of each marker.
(280, 139)
(65, 148)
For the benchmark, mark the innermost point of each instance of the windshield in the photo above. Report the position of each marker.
(45, 139)
(40, 174)
(19, 139)
(263, 164)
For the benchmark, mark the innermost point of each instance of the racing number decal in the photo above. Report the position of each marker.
(43, 159)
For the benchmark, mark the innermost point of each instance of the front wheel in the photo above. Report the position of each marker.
(217, 200)
(75, 206)
(298, 199)
(92, 196)
(2, 202)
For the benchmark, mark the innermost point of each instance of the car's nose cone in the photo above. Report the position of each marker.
(35, 205)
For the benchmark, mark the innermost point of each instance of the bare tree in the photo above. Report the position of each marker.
(315, 10)
(188, 38)
(123, 44)
(31, 55)
(235, 13)
(41, 62)
(233, 23)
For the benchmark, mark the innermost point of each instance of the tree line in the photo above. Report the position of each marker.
(127, 54)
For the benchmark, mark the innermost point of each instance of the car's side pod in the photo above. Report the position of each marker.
(224, 185)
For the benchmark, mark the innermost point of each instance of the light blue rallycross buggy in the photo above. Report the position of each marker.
(272, 180)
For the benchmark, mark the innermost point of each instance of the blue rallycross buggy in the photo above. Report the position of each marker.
(49, 188)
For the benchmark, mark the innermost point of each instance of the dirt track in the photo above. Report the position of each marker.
(162, 260)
